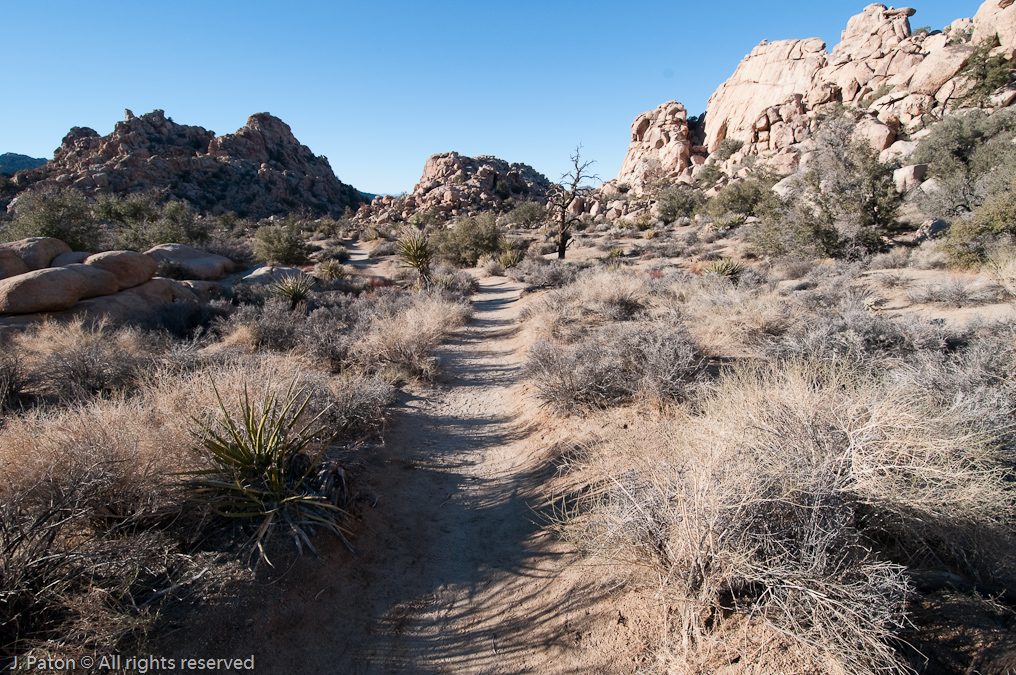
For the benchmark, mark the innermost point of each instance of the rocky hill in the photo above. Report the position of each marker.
(895, 81)
(453, 185)
(260, 170)
(11, 162)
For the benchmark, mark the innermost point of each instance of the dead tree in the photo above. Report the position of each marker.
(564, 195)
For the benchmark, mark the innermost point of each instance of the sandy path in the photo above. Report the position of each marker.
(453, 573)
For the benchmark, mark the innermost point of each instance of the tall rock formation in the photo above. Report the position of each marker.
(453, 185)
(260, 170)
(660, 147)
(894, 80)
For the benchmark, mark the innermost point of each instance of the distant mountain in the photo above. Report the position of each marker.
(258, 171)
(11, 162)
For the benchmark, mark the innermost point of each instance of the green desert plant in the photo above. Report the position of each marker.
(261, 472)
(294, 289)
(510, 258)
(64, 215)
(725, 267)
(330, 270)
(274, 244)
(416, 253)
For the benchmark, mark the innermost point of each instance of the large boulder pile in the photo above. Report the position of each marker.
(259, 171)
(41, 277)
(894, 80)
(661, 146)
(454, 185)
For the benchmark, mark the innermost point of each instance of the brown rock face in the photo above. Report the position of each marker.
(660, 145)
(453, 185)
(45, 290)
(260, 170)
(37, 252)
(996, 19)
(11, 265)
(130, 269)
(195, 264)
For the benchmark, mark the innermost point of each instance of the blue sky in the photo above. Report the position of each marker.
(379, 86)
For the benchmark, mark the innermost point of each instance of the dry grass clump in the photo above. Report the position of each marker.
(540, 273)
(72, 361)
(785, 502)
(956, 291)
(390, 332)
(614, 364)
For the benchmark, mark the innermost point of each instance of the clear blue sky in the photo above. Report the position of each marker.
(379, 86)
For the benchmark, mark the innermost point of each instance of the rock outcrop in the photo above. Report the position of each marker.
(259, 171)
(661, 145)
(894, 80)
(454, 185)
(193, 263)
(118, 285)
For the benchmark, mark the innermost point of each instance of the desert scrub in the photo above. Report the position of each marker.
(956, 292)
(279, 245)
(787, 503)
(615, 364)
(540, 273)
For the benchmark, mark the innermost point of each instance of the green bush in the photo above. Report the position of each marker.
(64, 215)
(469, 239)
(139, 222)
(984, 75)
(737, 201)
(278, 245)
(526, 214)
(726, 148)
(679, 202)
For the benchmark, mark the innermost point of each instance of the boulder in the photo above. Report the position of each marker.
(270, 274)
(930, 229)
(196, 264)
(205, 291)
(69, 258)
(130, 268)
(44, 290)
(878, 135)
(909, 177)
(996, 19)
(100, 282)
(137, 304)
(938, 68)
(11, 265)
(37, 252)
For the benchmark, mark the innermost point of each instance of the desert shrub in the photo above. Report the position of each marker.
(726, 148)
(456, 284)
(678, 202)
(845, 205)
(294, 289)
(709, 175)
(77, 360)
(64, 215)
(540, 273)
(12, 379)
(139, 222)
(357, 406)
(186, 320)
(737, 201)
(272, 325)
(614, 364)
(330, 270)
(337, 253)
(893, 259)
(469, 239)
(970, 155)
(850, 331)
(984, 74)
(790, 499)
(491, 267)
(956, 292)
(278, 245)
(527, 214)
(384, 248)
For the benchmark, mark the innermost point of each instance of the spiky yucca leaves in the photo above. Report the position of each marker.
(725, 267)
(294, 289)
(415, 251)
(260, 471)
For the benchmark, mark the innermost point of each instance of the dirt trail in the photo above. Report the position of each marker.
(453, 573)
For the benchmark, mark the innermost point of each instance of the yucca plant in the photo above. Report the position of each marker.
(294, 289)
(725, 267)
(510, 258)
(260, 470)
(415, 251)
